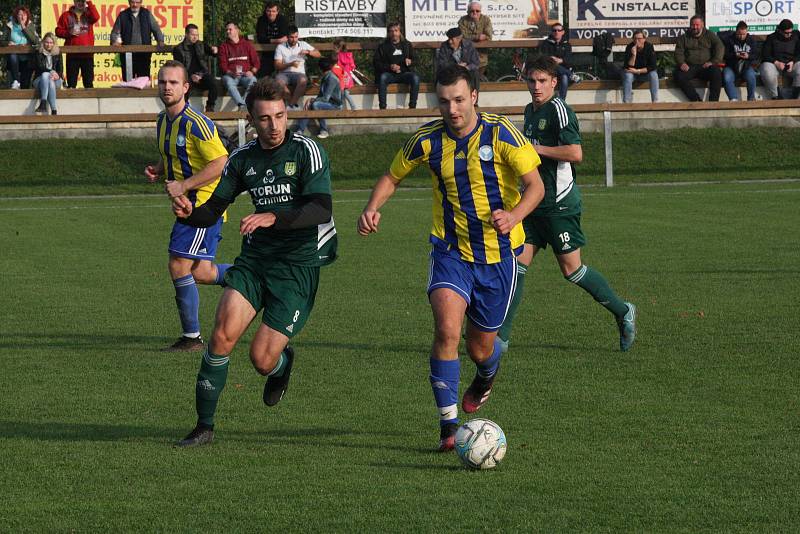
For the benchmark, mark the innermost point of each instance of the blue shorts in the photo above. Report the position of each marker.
(487, 288)
(195, 243)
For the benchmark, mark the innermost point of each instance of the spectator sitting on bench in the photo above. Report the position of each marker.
(394, 63)
(193, 54)
(239, 63)
(49, 73)
(290, 64)
(557, 47)
(457, 51)
(779, 58)
(740, 49)
(20, 31)
(639, 65)
(330, 97)
(698, 54)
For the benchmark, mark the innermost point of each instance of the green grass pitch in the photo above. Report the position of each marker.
(694, 430)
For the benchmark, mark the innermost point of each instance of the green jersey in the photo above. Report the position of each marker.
(555, 124)
(276, 179)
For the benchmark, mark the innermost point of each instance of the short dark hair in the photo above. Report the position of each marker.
(173, 64)
(452, 73)
(292, 29)
(393, 24)
(785, 24)
(230, 22)
(268, 89)
(191, 26)
(542, 63)
(325, 64)
(742, 25)
(697, 16)
(271, 4)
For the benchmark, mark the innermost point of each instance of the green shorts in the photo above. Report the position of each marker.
(284, 291)
(563, 233)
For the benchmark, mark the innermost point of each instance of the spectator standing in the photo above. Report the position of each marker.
(136, 26)
(21, 32)
(557, 47)
(343, 67)
(698, 54)
(48, 74)
(740, 49)
(640, 65)
(779, 58)
(394, 63)
(290, 63)
(477, 28)
(239, 63)
(271, 28)
(193, 54)
(457, 51)
(76, 27)
(330, 97)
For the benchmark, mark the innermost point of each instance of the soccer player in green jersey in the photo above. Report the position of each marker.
(192, 158)
(285, 242)
(476, 162)
(552, 127)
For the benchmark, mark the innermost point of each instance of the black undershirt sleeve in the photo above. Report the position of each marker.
(207, 214)
(317, 209)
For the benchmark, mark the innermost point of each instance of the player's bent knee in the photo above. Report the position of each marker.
(263, 361)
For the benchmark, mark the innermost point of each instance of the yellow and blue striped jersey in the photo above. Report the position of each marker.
(187, 144)
(471, 178)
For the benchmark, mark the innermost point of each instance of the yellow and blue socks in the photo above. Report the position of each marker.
(188, 300)
(596, 285)
(444, 378)
(505, 331)
(210, 383)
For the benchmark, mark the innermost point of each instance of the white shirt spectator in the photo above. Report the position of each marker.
(291, 54)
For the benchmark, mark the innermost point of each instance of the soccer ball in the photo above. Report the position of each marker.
(480, 444)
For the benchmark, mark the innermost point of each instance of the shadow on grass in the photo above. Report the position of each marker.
(36, 340)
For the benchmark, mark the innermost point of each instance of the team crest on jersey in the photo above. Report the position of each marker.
(485, 153)
(542, 124)
(180, 141)
(269, 177)
(290, 168)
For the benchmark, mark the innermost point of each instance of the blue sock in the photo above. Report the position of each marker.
(488, 367)
(188, 299)
(445, 375)
(221, 269)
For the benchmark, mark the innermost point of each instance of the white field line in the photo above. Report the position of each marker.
(165, 206)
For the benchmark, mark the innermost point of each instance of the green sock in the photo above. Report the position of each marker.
(210, 383)
(596, 285)
(505, 331)
(280, 366)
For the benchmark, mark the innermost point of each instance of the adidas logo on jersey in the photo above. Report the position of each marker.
(250, 172)
(566, 247)
(460, 155)
(290, 328)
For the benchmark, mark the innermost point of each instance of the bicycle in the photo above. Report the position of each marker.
(517, 65)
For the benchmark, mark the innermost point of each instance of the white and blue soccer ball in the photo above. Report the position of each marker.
(480, 444)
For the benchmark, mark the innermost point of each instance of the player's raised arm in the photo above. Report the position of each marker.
(370, 217)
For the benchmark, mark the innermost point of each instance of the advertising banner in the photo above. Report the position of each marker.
(761, 16)
(172, 17)
(658, 18)
(428, 20)
(340, 18)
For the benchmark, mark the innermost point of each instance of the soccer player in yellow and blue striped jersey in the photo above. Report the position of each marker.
(192, 159)
(477, 161)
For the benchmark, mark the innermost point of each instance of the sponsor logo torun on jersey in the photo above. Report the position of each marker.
(267, 195)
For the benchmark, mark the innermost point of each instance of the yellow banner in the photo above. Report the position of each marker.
(172, 17)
